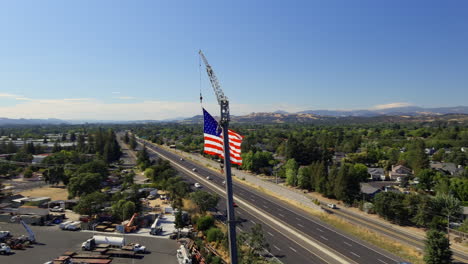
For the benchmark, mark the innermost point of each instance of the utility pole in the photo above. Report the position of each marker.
(224, 107)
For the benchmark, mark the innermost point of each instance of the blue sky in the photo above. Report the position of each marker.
(138, 59)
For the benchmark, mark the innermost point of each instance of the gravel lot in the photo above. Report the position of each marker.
(52, 242)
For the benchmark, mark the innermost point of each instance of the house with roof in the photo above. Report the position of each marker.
(368, 191)
(399, 171)
(446, 167)
(376, 174)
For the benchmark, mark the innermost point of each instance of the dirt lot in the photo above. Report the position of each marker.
(53, 193)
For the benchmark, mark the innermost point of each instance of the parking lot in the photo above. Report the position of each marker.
(52, 242)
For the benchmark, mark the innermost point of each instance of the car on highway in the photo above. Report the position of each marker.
(181, 159)
(234, 204)
(194, 169)
(197, 185)
(208, 178)
(224, 182)
(332, 206)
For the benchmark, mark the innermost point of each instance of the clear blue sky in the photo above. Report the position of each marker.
(138, 59)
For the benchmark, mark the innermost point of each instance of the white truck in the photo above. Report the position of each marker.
(112, 241)
(4, 249)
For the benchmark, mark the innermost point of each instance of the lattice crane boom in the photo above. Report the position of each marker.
(214, 81)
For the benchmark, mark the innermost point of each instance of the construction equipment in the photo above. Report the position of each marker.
(130, 226)
(224, 105)
(31, 236)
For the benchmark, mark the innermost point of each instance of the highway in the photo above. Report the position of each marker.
(292, 233)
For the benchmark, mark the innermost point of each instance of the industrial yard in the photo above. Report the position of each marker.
(52, 243)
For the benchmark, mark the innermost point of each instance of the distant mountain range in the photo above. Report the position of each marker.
(397, 114)
(23, 121)
(407, 110)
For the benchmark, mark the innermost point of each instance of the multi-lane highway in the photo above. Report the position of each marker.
(294, 235)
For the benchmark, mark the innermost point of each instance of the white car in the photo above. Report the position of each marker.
(56, 209)
(194, 169)
(197, 185)
(181, 159)
(139, 248)
(208, 178)
(332, 206)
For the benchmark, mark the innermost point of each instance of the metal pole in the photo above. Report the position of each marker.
(227, 168)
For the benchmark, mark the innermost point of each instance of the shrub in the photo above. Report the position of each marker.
(205, 222)
(214, 235)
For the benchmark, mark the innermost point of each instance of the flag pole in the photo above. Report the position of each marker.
(224, 105)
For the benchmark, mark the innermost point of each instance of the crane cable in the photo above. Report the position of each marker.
(199, 72)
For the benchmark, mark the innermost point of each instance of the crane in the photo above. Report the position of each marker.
(130, 227)
(224, 105)
(222, 99)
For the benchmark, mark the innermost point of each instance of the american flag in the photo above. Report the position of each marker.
(214, 140)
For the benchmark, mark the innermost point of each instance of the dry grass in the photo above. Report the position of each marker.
(53, 193)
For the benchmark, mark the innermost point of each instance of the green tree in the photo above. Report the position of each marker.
(437, 248)
(28, 172)
(179, 223)
(426, 179)
(214, 235)
(205, 222)
(133, 142)
(417, 157)
(304, 177)
(448, 206)
(204, 200)
(84, 183)
(91, 203)
(128, 209)
(291, 168)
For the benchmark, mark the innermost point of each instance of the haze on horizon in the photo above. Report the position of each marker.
(116, 60)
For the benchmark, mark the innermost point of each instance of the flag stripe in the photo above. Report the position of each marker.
(213, 139)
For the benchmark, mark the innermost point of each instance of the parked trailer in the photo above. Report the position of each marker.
(90, 256)
(91, 261)
(121, 253)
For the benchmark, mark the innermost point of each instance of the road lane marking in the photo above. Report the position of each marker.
(349, 245)
(270, 234)
(282, 215)
(253, 222)
(328, 251)
(264, 206)
(300, 225)
(293, 249)
(277, 248)
(320, 230)
(297, 218)
(382, 261)
(324, 238)
(355, 254)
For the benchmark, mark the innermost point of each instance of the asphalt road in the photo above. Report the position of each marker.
(288, 246)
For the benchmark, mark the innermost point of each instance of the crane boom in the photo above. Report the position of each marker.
(214, 81)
